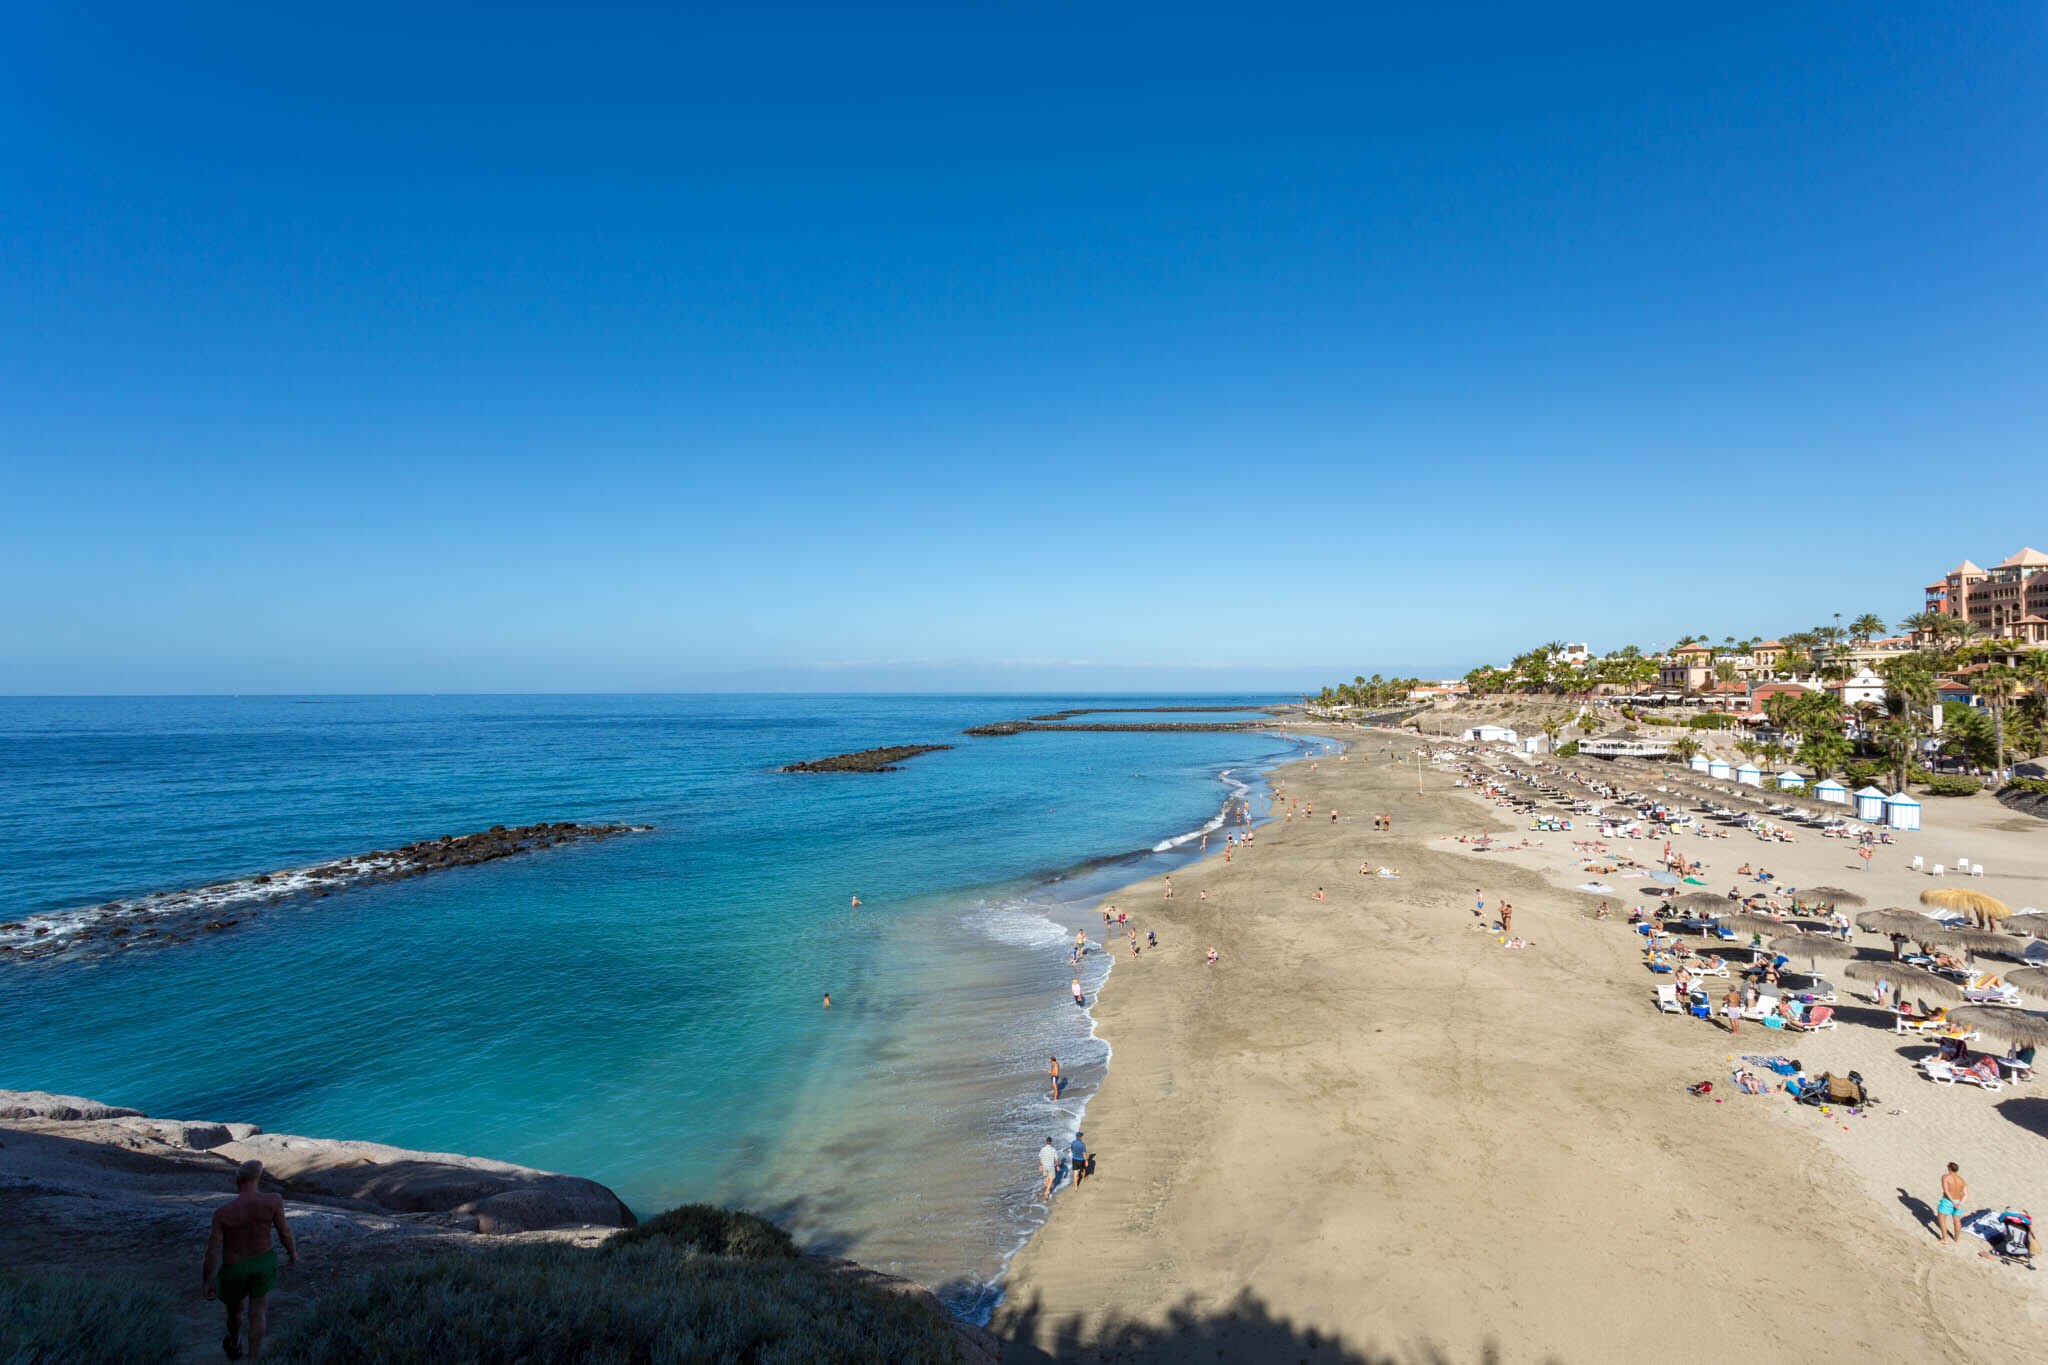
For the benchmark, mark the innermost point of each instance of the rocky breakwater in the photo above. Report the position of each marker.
(166, 917)
(1019, 727)
(883, 760)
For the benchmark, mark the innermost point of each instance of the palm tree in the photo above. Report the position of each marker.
(1998, 685)
(1552, 727)
(1866, 628)
(1686, 747)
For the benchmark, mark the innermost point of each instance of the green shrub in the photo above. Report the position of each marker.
(1712, 720)
(83, 1322)
(1568, 749)
(1863, 772)
(650, 1302)
(714, 1231)
(2036, 785)
(1952, 786)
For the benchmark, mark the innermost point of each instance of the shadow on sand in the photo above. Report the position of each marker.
(2030, 1113)
(1244, 1330)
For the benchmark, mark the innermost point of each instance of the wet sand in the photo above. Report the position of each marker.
(1371, 1132)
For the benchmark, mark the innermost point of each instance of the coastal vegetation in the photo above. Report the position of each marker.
(696, 1283)
(54, 1321)
(1890, 739)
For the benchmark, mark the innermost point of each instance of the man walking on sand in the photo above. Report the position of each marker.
(1049, 1165)
(1948, 1214)
(241, 1236)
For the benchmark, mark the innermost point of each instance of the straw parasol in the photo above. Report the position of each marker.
(2032, 982)
(1702, 903)
(1831, 895)
(1899, 925)
(1813, 947)
(1913, 980)
(2032, 923)
(1755, 924)
(1984, 909)
(1974, 941)
(2017, 1028)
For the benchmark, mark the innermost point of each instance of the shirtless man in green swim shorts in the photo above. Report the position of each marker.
(241, 1236)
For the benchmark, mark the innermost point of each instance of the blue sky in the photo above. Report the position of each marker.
(998, 347)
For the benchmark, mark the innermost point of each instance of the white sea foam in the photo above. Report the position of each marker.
(50, 929)
(1237, 792)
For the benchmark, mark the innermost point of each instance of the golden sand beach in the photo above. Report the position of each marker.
(1373, 1132)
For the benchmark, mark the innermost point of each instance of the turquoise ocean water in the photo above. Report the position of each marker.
(644, 1011)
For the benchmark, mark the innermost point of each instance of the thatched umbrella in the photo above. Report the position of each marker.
(2032, 982)
(2032, 923)
(2015, 1028)
(1974, 941)
(1703, 903)
(1899, 925)
(1813, 947)
(1986, 910)
(1921, 983)
(1831, 895)
(1744, 923)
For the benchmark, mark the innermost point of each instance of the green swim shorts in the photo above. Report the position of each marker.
(250, 1277)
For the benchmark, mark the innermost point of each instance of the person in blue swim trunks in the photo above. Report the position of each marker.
(1948, 1214)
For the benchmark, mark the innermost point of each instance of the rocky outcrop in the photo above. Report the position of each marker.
(165, 917)
(2025, 802)
(58, 1147)
(883, 760)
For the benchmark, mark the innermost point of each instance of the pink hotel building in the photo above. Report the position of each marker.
(2010, 600)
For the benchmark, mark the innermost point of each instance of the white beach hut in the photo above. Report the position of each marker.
(1719, 767)
(1831, 790)
(1700, 763)
(1870, 805)
(1487, 734)
(1789, 781)
(1749, 775)
(1902, 812)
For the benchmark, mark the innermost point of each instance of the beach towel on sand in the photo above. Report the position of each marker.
(1783, 1066)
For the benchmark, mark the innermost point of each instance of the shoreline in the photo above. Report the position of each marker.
(1452, 1144)
(1084, 910)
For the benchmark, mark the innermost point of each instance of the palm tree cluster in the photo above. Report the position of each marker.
(2009, 680)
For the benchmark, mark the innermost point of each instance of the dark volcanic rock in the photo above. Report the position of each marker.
(178, 915)
(884, 760)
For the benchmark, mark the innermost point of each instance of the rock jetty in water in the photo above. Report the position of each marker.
(178, 916)
(884, 760)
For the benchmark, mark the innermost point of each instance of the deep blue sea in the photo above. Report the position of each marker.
(644, 1011)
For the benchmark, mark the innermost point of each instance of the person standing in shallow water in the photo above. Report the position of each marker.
(240, 1237)
(1053, 1070)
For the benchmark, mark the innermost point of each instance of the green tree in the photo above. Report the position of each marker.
(1686, 747)
(1866, 628)
(1966, 734)
(1909, 697)
(1998, 685)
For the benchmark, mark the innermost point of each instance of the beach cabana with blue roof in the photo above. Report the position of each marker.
(1902, 812)
(1870, 805)
(1833, 791)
